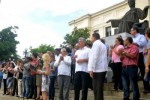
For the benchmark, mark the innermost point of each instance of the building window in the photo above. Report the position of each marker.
(108, 31)
(96, 31)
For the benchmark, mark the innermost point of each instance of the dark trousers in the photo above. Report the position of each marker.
(81, 82)
(32, 88)
(72, 72)
(98, 83)
(5, 85)
(141, 65)
(15, 86)
(51, 87)
(129, 75)
(1, 78)
(117, 69)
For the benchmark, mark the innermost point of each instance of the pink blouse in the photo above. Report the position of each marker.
(116, 58)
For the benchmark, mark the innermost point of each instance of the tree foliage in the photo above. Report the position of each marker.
(75, 35)
(42, 48)
(8, 43)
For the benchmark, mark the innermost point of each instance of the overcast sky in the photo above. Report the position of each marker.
(45, 21)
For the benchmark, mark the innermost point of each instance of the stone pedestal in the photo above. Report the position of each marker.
(111, 39)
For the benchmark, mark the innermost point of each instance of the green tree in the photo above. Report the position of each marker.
(8, 43)
(75, 35)
(42, 48)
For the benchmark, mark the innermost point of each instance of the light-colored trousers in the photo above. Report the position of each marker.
(20, 93)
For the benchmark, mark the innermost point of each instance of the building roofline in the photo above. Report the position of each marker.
(99, 12)
(79, 19)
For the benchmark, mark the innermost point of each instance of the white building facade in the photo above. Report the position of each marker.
(97, 21)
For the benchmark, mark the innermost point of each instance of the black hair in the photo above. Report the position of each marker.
(135, 28)
(35, 54)
(13, 65)
(148, 32)
(120, 40)
(130, 39)
(103, 41)
(68, 50)
(96, 35)
(29, 59)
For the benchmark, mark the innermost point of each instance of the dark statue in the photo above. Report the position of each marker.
(130, 18)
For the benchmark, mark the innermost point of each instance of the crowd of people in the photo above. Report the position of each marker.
(84, 65)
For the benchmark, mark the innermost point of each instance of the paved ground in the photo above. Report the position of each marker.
(90, 96)
(108, 94)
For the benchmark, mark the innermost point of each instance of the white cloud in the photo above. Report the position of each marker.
(16, 12)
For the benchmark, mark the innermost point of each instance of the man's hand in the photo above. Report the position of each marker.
(146, 69)
(39, 72)
(91, 74)
(135, 44)
(74, 57)
(79, 61)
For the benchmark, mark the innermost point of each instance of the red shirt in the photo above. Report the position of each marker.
(35, 63)
(132, 49)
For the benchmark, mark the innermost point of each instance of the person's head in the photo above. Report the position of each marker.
(49, 52)
(12, 65)
(131, 3)
(103, 41)
(77, 46)
(46, 58)
(128, 41)
(63, 52)
(89, 45)
(57, 51)
(52, 57)
(119, 41)
(134, 30)
(21, 63)
(95, 36)
(82, 42)
(40, 55)
(71, 46)
(34, 55)
(147, 34)
(28, 59)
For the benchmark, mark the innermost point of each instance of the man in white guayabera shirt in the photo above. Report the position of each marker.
(64, 74)
(81, 71)
(98, 65)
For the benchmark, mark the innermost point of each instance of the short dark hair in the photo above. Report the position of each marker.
(130, 39)
(148, 32)
(35, 54)
(96, 35)
(136, 28)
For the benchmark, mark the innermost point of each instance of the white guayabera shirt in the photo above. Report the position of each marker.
(98, 57)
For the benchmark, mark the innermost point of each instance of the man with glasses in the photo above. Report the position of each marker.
(140, 41)
(64, 74)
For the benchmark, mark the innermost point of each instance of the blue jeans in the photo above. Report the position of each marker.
(129, 74)
(51, 87)
(26, 86)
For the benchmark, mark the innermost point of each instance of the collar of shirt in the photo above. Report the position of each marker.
(136, 35)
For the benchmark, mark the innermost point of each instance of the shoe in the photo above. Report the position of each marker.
(37, 98)
(34, 97)
(4, 94)
(146, 91)
(114, 89)
(17, 96)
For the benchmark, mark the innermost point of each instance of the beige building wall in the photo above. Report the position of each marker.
(97, 21)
